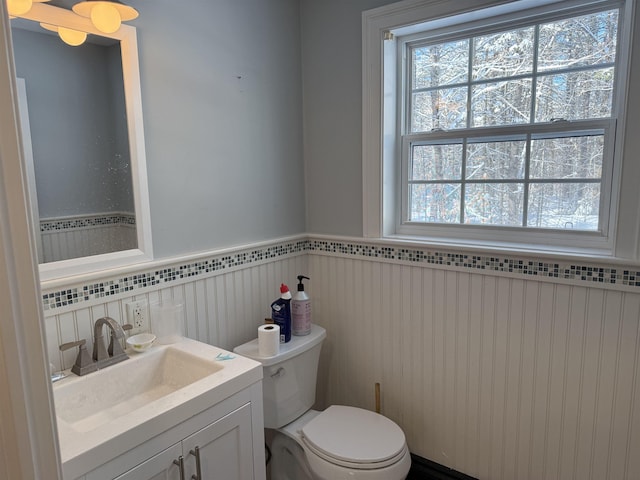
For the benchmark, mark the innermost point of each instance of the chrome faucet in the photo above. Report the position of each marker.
(115, 353)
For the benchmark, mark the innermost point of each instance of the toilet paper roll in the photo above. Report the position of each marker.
(268, 340)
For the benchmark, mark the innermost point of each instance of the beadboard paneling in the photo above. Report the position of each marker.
(496, 377)
(222, 309)
(89, 240)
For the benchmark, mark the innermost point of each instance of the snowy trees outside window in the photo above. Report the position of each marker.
(511, 127)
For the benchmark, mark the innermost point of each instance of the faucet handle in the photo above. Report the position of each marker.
(68, 345)
(84, 364)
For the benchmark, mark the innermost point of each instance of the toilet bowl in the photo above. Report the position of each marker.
(341, 442)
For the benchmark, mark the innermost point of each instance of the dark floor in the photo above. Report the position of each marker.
(423, 469)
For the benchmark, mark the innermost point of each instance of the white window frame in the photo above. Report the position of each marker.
(382, 107)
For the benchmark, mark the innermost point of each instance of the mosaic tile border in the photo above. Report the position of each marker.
(589, 274)
(72, 223)
(164, 276)
(570, 271)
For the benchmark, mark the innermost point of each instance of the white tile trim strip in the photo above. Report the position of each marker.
(172, 271)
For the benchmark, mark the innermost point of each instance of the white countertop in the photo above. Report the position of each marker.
(82, 451)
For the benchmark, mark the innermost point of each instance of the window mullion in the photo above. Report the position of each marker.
(406, 82)
(407, 85)
(534, 74)
(527, 166)
(527, 156)
(463, 185)
(469, 81)
(463, 177)
(574, 127)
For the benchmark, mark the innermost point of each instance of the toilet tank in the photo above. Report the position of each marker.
(289, 378)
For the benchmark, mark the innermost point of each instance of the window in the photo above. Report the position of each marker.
(507, 124)
(473, 155)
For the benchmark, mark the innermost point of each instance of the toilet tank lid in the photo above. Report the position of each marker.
(296, 346)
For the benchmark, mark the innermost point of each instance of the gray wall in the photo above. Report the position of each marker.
(222, 105)
(81, 156)
(332, 84)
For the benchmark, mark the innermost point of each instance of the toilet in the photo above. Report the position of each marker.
(338, 443)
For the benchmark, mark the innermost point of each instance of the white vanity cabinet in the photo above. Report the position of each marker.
(222, 448)
(158, 467)
(228, 438)
(223, 451)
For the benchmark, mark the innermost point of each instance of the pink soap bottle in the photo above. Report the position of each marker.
(301, 310)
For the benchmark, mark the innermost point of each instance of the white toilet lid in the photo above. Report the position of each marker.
(354, 437)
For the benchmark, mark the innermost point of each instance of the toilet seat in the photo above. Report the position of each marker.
(354, 438)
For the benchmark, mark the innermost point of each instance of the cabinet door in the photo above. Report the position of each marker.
(158, 467)
(225, 448)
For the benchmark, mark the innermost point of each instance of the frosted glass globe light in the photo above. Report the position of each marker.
(67, 35)
(72, 37)
(19, 7)
(105, 17)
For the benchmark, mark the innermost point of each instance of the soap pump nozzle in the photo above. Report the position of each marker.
(300, 284)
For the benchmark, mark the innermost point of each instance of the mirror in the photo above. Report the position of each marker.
(79, 145)
(81, 117)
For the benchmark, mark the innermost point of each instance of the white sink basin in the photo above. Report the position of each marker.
(107, 413)
(127, 386)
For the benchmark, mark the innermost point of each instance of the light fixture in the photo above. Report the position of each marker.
(67, 35)
(106, 15)
(20, 7)
(72, 37)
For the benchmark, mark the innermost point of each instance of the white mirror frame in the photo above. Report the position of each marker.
(133, 104)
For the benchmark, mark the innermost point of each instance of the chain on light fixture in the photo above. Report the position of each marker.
(106, 15)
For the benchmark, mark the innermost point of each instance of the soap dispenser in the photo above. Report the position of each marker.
(301, 310)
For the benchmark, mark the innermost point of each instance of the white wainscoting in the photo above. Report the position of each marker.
(76, 236)
(496, 377)
(500, 376)
(84, 242)
(223, 309)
